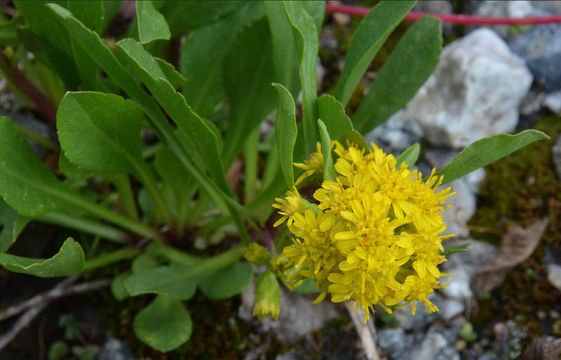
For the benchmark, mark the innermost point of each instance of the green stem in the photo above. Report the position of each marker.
(149, 182)
(123, 186)
(35, 137)
(85, 225)
(250, 165)
(110, 258)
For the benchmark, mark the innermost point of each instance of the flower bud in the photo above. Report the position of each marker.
(256, 254)
(267, 296)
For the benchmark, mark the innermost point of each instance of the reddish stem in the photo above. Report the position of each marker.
(44, 106)
(450, 18)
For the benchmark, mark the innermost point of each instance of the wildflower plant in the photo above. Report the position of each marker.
(161, 154)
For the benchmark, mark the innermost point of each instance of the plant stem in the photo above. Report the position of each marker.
(17, 79)
(250, 165)
(123, 186)
(149, 182)
(110, 258)
(85, 225)
(35, 137)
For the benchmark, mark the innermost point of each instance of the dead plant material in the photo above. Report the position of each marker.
(517, 245)
(541, 349)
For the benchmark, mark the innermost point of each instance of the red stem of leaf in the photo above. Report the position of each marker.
(450, 18)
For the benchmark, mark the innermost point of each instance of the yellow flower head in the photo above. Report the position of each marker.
(373, 237)
(314, 165)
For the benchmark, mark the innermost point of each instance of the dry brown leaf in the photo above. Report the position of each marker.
(541, 349)
(517, 245)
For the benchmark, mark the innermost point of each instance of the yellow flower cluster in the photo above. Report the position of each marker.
(371, 236)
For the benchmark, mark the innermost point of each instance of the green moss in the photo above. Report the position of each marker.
(520, 189)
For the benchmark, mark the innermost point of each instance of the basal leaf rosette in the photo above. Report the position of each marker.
(372, 236)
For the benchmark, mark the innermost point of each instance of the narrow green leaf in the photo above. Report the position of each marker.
(178, 281)
(67, 261)
(189, 15)
(307, 44)
(202, 138)
(452, 249)
(286, 132)
(248, 73)
(404, 72)
(368, 38)
(409, 156)
(328, 170)
(486, 151)
(173, 76)
(164, 324)
(100, 132)
(11, 224)
(285, 52)
(227, 282)
(151, 24)
(202, 55)
(332, 113)
(25, 183)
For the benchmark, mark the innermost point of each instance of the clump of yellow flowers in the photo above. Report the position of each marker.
(372, 236)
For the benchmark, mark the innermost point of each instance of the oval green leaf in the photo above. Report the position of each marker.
(227, 282)
(67, 261)
(286, 131)
(151, 24)
(164, 324)
(409, 156)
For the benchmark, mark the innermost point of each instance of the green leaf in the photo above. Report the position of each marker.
(151, 24)
(353, 137)
(202, 55)
(142, 263)
(73, 171)
(25, 183)
(110, 9)
(409, 156)
(164, 324)
(486, 151)
(248, 73)
(8, 32)
(328, 170)
(188, 15)
(308, 287)
(118, 288)
(173, 76)
(67, 261)
(452, 249)
(286, 132)
(178, 281)
(368, 38)
(100, 132)
(203, 140)
(407, 68)
(307, 45)
(332, 113)
(227, 282)
(11, 224)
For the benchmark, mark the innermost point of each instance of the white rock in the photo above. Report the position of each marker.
(451, 308)
(553, 102)
(463, 208)
(474, 92)
(554, 275)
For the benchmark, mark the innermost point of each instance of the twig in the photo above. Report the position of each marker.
(61, 290)
(39, 302)
(366, 332)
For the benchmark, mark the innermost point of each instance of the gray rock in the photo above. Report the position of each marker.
(298, 315)
(115, 349)
(474, 92)
(450, 308)
(463, 208)
(396, 134)
(554, 275)
(422, 319)
(553, 102)
(437, 7)
(463, 266)
(540, 47)
(434, 346)
(556, 154)
(510, 9)
(394, 343)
